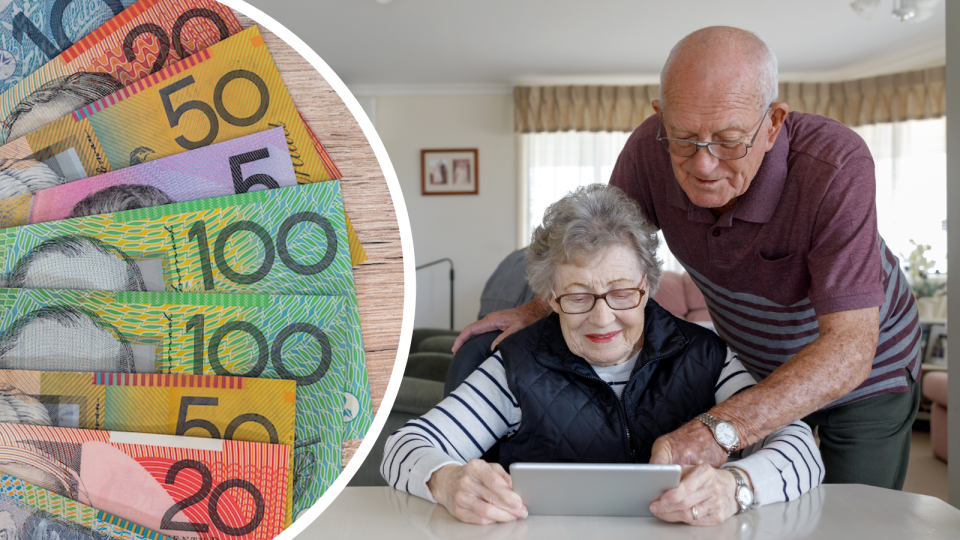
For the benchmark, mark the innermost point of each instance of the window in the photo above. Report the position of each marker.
(555, 164)
(911, 161)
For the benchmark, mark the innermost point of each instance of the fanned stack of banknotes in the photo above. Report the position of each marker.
(180, 345)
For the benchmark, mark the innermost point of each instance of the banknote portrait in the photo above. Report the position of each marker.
(120, 197)
(56, 99)
(64, 338)
(17, 407)
(22, 176)
(76, 262)
(41, 526)
(8, 528)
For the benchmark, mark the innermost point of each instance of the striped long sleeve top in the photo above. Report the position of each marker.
(482, 410)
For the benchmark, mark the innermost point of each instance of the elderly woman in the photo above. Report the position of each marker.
(597, 381)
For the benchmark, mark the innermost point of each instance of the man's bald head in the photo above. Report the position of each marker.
(721, 57)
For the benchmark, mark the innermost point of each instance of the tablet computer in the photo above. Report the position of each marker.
(592, 489)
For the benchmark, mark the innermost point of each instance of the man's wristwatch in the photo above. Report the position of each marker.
(723, 432)
(744, 494)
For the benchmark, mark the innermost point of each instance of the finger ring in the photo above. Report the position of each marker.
(694, 510)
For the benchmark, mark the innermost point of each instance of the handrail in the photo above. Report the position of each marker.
(438, 261)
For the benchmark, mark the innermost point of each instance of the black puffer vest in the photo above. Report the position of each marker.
(569, 414)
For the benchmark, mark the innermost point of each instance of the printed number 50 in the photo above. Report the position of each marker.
(174, 114)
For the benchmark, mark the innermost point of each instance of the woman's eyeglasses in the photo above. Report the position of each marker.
(618, 299)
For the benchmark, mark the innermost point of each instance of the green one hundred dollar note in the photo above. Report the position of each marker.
(29, 512)
(287, 241)
(308, 339)
(234, 408)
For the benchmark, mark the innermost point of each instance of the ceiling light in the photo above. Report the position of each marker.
(912, 11)
(904, 10)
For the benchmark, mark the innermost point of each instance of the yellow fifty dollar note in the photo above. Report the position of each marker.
(225, 91)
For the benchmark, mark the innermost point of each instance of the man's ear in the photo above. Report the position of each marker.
(778, 114)
(656, 106)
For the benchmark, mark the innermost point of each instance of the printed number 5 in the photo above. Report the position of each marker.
(173, 115)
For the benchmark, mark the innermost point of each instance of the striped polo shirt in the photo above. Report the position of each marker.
(801, 242)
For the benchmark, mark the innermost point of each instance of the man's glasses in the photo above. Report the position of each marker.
(618, 299)
(724, 151)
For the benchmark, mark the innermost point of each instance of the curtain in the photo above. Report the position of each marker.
(899, 97)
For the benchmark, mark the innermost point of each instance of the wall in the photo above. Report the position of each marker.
(475, 231)
(953, 241)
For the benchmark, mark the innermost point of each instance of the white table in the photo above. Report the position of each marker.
(848, 512)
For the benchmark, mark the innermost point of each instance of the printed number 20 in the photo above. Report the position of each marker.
(174, 114)
(213, 510)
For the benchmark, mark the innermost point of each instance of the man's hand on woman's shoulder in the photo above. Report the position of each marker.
(508, 320)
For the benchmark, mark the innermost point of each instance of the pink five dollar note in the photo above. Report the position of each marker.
(250, 163)
(183, 487)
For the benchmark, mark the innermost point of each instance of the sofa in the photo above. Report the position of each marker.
(679, 295)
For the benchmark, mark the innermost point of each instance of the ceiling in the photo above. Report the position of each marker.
(498, 42)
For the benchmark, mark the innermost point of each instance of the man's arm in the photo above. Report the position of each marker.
(827, 369)
(508, 320)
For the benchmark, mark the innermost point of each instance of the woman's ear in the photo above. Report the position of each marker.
(551, 300)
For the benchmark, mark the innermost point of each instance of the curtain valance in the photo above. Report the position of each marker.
(911, 95)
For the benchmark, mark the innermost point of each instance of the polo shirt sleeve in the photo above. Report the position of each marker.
(629, 176)
(844, 258)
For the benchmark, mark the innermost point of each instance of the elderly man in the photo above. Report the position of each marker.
(774, 217)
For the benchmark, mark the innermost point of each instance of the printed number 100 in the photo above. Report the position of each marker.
(265, 352)
(198, 232)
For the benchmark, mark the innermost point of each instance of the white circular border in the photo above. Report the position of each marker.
(406, 244)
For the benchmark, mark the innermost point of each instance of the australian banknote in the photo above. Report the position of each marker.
(184, 487)
(279, 241)
(287, 241)
(33, 32)
(29, 512)
(143, 39)
(308, 339)
(250, 163)
(212, 406)
(227, 90)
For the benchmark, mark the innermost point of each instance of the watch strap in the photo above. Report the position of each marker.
(740, 483)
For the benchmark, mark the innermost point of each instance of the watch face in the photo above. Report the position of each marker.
(726, 434)
(744, 496)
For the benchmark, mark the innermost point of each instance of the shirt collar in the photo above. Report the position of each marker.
(760, 201)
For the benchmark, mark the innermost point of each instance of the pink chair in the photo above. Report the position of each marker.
(681, 297)
(935, 388)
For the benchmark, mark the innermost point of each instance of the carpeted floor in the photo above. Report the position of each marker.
(926, 474)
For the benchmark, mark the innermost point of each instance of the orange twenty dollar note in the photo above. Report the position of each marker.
(180, 486)
(141, 40)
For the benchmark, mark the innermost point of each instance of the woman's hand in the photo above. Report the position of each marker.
(478, 492)
(711, 490)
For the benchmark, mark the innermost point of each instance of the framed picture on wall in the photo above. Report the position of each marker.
(449, 172)
(936, 352)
